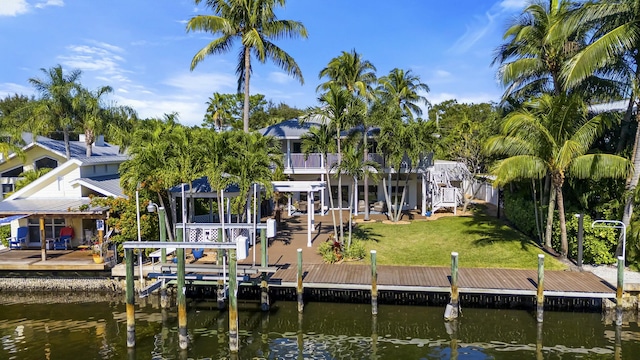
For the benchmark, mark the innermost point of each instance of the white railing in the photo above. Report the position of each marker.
(316, 161)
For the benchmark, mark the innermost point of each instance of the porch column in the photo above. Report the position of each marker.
(288, 162)
(322, 193)
(424, 194)
(355, 197)
(289, 205)
(309, 216)
(43, 241)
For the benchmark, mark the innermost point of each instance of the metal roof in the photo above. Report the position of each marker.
(108, 185)
(290, 129)
(47, 206)
(201, 185)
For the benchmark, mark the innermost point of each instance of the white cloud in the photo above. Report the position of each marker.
(46, 3)
(468, 98)
(442, 74)
(279, 77)
(99, 57)
(513, 4)
(474, 32)
(198, 82)
(7, 89)
(13, 7)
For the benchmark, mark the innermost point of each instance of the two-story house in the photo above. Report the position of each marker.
(424, 185)
(61, 197)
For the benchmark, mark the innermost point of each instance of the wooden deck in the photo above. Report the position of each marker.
(57, 260)
(436, 279)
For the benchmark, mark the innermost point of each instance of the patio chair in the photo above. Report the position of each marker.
(64, 241)
(380, 207)
(20, 240)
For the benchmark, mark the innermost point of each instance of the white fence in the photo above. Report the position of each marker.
(482, 190)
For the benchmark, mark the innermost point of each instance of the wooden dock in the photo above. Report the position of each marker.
(506, 282)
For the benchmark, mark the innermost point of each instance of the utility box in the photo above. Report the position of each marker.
(242, 247)
(271, 227)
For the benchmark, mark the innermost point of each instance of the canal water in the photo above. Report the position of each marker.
(72, 326)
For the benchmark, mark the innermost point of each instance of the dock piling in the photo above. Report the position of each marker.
(619, 291)
(130, 293)
(220, 289)
(181, 300)
(233, 302)
(374, 284)
(540, 290)
(299, 289)
(452, 311)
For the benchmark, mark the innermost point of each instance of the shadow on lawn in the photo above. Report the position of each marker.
(365, 233)
(492, 230)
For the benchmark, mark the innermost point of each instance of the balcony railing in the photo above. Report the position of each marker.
(315, 161)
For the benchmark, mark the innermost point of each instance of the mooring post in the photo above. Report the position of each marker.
(299, 290)
(233, 302)
(264, 261)
(163, 233)
(130, 293)
(220, 290)
(300, 337)
(374, 284)
(43, 242)
(374, 337)
(183, 339)
(617, 353)
(540, 292)
(619, 290)
(539, 354)
(164, 298)
(452, 310)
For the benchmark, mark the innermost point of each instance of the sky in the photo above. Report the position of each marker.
(142, 50)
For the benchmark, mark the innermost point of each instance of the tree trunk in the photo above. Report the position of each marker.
(333, 209)
(247, 72)
(340, 189)
(365, 179)
(167, 220)
(564, 244)
(547, 234)
(624, 127)
(632, 182)
(89, 139)
(67, 146)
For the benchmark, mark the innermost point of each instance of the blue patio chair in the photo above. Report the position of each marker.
(64, 241)
(20, 240)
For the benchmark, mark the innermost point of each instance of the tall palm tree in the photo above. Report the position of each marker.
(616, 41)
(321, 139)
(553, 134)
(92, 115)
(537, 44)
(54, 111)
(255, 25)
(403, 88)
(358, 76)
(218, 112)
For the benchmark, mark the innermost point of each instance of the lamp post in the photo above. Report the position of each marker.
(152, 207)
(616, 225)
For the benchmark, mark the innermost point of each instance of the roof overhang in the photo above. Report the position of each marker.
(298, 186)
(7, 220)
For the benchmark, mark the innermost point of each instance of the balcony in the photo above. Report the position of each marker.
(314, 162)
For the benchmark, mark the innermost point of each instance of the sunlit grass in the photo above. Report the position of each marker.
(481, 241)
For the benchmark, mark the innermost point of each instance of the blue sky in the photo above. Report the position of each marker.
(142, 50)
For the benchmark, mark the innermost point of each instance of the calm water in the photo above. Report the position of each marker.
(68, 326)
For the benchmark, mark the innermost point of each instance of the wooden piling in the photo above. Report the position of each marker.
(263, 248)
(540, 290)
(130, 294)
(233, 302)
(164, 298)
(619, 291)
(374, 284)
(220, 290)
(539, 347)
(452, 310)
(163, 233)
(181, 299)
(299, 289)
(43, 241)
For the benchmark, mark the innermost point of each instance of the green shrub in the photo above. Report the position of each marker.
(356, 251)
(5, 232)
(599, 243)
(330, 251)
(521, 213)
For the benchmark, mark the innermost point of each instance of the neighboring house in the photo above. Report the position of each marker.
(62, 196)
(424, 190)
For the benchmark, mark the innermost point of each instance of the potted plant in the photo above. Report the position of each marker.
(98, 250)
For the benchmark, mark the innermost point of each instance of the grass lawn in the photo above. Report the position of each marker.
(480, 240)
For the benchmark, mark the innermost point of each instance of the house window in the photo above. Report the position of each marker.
(15, 172)
(46, 162)
(51, 228)
(345, 195)
(297, 148)
(6, 189)
(373, 193)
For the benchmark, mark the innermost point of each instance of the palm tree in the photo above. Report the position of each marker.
(538, 43)
(54, 111)
(615, 51)
(357, 76)
(255, 25)
(92, 115)
(403, 87)
(218, 113)
(351, 72)
(353, 165)
(321, 139)
(553, 134)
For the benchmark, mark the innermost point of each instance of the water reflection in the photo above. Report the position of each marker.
(97, 330)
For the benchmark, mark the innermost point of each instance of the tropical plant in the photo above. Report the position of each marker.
(54, 109)
(255, 25)
(403, 88)
(552, 134)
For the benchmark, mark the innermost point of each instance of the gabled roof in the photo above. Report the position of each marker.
(108, 185)
(290, 129)
(48, 207)
(202, 186)
(78, 149)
